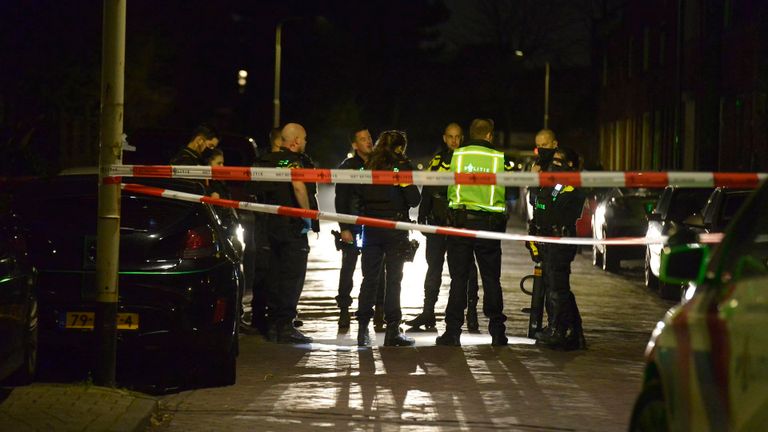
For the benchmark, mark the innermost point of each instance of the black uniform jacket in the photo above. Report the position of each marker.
(187, 156)
(556, 210)
(434, 199)
(389, 202)
(346, 200)
(281, 193)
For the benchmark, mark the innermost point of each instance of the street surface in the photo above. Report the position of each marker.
(333, 385)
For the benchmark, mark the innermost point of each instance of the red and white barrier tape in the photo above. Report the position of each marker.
(645, 179)
(405, 226)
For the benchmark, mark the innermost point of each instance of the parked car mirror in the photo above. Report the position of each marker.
(684, 263)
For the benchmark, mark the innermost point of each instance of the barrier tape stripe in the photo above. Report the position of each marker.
(405, 226)
(647, 179)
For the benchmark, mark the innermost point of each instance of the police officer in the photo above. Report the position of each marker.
(381, 245)
(433, 210)
(362, 146)
(476, 207)
(556, 210)
(203, 137)
(287, 239)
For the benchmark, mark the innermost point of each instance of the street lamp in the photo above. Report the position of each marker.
(278, 56)
(278, 60)
(546, 95)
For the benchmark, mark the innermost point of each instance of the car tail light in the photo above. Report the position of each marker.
(198, 243)
(219, 310)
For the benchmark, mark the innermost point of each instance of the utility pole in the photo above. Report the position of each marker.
(108, 225)
(278, 59)
(546, 95)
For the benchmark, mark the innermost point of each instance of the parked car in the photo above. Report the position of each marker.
(179, 275)
(674, 205)
(720, 209)
(706, 360)
(621, 213)
(18, 306)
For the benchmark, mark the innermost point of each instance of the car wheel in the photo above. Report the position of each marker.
(610, 259)
(26, 371)
(649, 413)
(597, 257)
(651, 281)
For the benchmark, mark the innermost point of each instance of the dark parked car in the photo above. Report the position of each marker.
(720, 209)
(179, 275)
(706, 361)
(18, 306)
(621, 213)
(675, 205)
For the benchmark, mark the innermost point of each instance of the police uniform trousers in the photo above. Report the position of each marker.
(562, 311)
(382, 247)
(462, 251)
(287, 268)
(437, 245)
(348, 264)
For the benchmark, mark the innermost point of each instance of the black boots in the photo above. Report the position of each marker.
(499, 339)
(426, 319)
(472, 325)
(394, 337)
(378, 318)
(344, 318)
(363, 337)
(448, 339)
(288, 334)
(562, 339)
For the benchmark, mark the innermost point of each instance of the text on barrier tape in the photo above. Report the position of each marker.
(638, 179)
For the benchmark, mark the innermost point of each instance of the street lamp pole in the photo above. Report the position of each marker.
(278, 56)
(546, 95)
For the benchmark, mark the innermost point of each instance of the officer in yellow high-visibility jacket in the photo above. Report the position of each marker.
(476, 207)
(433, 210)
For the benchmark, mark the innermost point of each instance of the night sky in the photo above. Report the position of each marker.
(406, 64)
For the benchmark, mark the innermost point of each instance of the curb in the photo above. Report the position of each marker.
(81, 407)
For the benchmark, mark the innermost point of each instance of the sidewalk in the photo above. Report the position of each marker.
(75, 407)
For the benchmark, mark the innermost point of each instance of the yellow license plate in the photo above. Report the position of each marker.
(85, 320)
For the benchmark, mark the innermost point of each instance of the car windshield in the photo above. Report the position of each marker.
(686, 202)
(77, 214)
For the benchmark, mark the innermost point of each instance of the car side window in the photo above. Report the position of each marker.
(744, 253)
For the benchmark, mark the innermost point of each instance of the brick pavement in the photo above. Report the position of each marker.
(75, 407)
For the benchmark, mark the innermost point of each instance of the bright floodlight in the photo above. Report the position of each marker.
(242, 73)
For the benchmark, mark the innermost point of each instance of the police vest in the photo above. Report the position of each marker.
(477, 159)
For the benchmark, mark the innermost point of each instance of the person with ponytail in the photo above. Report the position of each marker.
(381, 245)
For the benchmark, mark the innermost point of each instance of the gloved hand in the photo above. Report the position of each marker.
(533, 250)
(307, 225)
